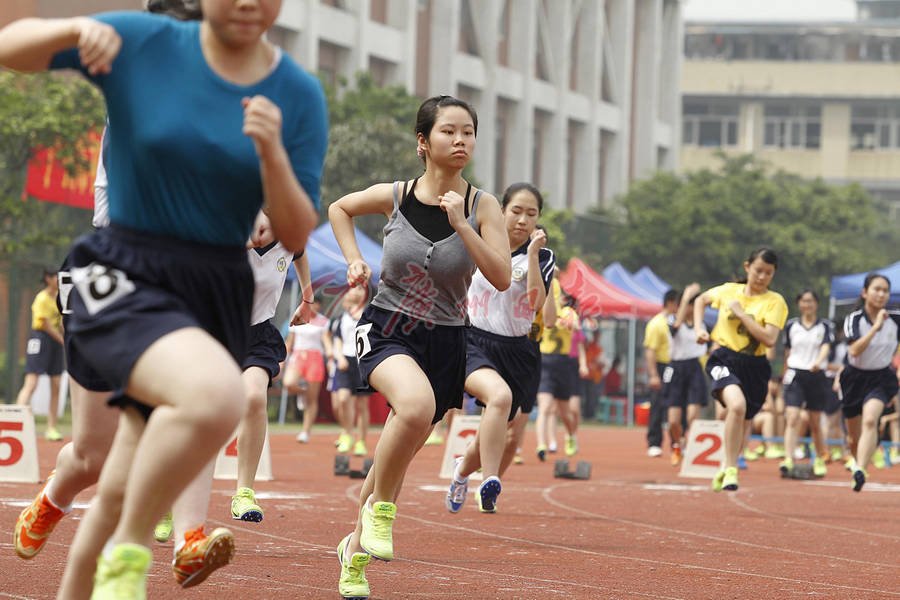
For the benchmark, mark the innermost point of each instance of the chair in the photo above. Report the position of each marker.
(611, 407)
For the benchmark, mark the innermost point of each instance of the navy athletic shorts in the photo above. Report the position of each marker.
(727, 367)
(559, 376)
(859, 386)
(684, 383)
(439, 350)
(516, 359)
(131, 288)
(43, 354)
(267, 350)
(805, 389)
(350, 378)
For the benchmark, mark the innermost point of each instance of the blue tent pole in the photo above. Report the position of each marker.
(632, 336)
(282, 409)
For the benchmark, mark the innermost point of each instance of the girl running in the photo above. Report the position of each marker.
(750, 319)
(307, 365)
(352, 405)
(807, 344)
(411, 339)
(867, 381)
(502, 363)
(167, 284)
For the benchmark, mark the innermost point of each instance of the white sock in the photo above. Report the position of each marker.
(108, 548)
(457, 477)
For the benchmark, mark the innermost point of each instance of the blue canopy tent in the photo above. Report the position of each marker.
(620, 277)
(646, 278)
(845, 289)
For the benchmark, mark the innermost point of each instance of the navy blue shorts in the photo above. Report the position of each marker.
(76, 366)
(684, 383)
(859, 386)
(832, 398)
(805, 389)
(516, 359)
(350, 378)
(439, 350)
(267, 350)
(43, 354)
(559, 376)
(132, 288)
(727, 367)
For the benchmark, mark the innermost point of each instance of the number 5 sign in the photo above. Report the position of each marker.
(705, 451)
(18, 445)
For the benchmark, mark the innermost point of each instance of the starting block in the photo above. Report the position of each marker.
(342, 467)
(582, 470)
(801, 471)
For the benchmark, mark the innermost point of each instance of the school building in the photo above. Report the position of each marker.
(819, 99)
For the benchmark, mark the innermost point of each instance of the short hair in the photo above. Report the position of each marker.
(670, 296)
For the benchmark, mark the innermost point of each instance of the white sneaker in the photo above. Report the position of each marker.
(654, 451)
(456, 495)
(303, 437)
(799, 454)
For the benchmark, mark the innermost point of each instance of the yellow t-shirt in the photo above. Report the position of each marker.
(537, 327)
(766, 309)
(44, 309)
(558, 339)
(657, 337)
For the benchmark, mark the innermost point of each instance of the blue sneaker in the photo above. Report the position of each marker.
(487, 494)
(456, 495)
(742, 462)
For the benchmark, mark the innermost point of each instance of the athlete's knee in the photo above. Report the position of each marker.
(257, 402)
(500, 400)
(869, 421)
(90, 458)
(416, 415)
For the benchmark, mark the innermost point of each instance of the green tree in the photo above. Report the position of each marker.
(702, 225)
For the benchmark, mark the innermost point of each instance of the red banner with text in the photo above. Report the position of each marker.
(49, 180)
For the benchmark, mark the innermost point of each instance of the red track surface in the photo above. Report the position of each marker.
(620, 535)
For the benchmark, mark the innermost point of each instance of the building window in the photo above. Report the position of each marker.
(874, 127)
(788, 126)
(710, 124)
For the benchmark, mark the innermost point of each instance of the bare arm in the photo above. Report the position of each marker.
(378, 199)
(684, 306)
(490, 250)
(550, 310)
(652, 371)
(53, 331)
(700, 304)
(766, 335)
(860, 345)
(535, 282)
(822, 356)
(29, 44)
(304, 311)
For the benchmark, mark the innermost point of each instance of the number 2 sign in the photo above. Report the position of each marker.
(18, 445)
(705, 451)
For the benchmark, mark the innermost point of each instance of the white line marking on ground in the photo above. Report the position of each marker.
(675, 487)
(869, 487)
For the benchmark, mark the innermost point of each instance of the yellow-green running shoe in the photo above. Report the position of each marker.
(53, 435)
(345, 442)
(122, 575)
(353, 583)
(774, 451)
(730, 479)
(819, 467)
(571, 445)
(878, 458)
(377, 536)
(786, 466)
(716, 484)
(359, 448)
(163, 530)
(836, 454)
(244, 506)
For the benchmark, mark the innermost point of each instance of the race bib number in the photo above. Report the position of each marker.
(718, 373)
(33, 347)
(363, 346)
(99, 286)
(789, 375)
(667, 374)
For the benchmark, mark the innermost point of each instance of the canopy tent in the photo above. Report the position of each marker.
(620, 277)
(327, 266)
(646, 278)
(597, 296)
(845, 289)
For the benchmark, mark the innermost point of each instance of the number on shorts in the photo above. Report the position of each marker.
(718, 373)
(702, 459)
(667, 374)
(33, 347)
(789, 376)
(65, 288)
(99, 285)
(363, 346)
(15, 446)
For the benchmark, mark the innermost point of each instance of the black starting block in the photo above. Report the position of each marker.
(342, 467)
(801, 471)
(582, 470)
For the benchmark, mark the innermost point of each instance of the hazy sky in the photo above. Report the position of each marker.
(769, 10)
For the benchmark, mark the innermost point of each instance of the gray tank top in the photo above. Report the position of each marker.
(423, 279)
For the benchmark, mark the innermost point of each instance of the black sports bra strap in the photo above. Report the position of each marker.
(468, 193)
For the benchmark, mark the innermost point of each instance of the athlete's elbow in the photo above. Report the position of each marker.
(502, 281)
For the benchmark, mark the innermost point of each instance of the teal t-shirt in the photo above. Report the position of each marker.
(179, 164)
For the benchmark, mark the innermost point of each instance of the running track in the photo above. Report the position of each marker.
(636, 530)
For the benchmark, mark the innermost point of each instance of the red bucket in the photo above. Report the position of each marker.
(642, 413)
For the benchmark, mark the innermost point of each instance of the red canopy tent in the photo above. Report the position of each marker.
(597, 296)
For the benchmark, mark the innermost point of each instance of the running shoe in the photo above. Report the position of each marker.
(850, 464)
(786, 466)
(202, 554)
(742, 462)
(749, 455)
(353, 583)
(488, 491)
(456, 495)
(377, 536)
(359, 448)
(859, 479)
(676, 456)
(836, 454)
(551, 448)
(654, 451)
(542, 453)
(163, 530)
(819, 468)
(717, 480)
(878, 458)
(434, 439)
(894, 455)
(517, 459)
(775, 451)
(571, 445)
(244, 506)
(35, 524)
(303, 437)
(53, 435)
(345, 443)
(122, 575)
(730, 479)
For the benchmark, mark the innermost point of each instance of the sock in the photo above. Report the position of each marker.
(457, 477)
(108, 548)
(48, 495)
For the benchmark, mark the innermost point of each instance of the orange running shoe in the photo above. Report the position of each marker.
(202, 554)
(35, 524)
(676, 456)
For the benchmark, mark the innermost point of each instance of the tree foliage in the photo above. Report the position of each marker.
(701, 226)
(41, 111)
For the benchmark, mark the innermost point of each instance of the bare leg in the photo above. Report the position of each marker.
(192, 507)
(311, 411)
(362, 416)
(28, 387)
(542, 426)
(792, 417)
(733, 396)
(252, 436)
(514, 435)
(815, 432)
(487, 449)
(868, 438)
(674, 418)
(53, 409)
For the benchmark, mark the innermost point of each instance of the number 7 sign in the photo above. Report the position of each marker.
(18, 445)
(705, 451)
